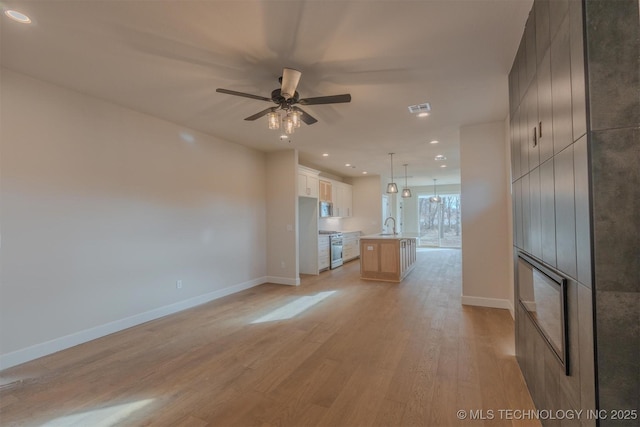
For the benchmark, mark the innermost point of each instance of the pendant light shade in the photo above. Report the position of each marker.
(435, 198)
(392, 187)
(406, 192)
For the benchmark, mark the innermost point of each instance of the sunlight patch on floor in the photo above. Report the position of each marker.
(294, 308)
(103, 417)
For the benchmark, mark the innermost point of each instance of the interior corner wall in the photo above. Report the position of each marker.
(485, 235)
(282, 214)
(104, 209)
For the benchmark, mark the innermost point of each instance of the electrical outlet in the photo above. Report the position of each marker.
(178, 284)
(282, 264)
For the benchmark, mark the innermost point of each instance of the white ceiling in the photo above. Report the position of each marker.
(166, 58)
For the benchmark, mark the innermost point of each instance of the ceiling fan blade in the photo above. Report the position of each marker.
(333, 99)
(290, 80)
(305, 117)
(261, 113)
(246, 95)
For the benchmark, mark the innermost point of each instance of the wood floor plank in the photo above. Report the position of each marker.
(368, 354)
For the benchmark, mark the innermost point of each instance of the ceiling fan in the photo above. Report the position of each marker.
(286, 98)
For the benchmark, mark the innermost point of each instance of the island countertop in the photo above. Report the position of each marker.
(389, 236)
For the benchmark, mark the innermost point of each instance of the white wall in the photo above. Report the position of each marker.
(486, 245)
(367, 206)
(282, 215)
(104, 208)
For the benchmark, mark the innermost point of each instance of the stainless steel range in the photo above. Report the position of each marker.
(335, 239)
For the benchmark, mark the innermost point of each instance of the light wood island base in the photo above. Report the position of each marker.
(386, 258)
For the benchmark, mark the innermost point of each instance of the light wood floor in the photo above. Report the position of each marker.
(370, 353)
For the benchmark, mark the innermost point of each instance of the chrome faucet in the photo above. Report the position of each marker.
(394, 224)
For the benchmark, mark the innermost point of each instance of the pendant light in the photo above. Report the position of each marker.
(392, 187)
(406, 192)
(435, 198)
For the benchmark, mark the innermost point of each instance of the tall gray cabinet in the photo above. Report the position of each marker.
(574, 95)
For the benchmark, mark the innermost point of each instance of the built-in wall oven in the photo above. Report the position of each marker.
(336, 250)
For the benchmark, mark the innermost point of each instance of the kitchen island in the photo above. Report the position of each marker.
(387, 257)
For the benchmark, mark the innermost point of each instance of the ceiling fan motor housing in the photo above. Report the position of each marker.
(277, 98)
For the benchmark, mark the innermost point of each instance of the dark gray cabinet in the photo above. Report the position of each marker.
(561, 89)
(581, 185)
(515, 146)
(565, 212)
(535, 234)
(541, 8)
(545, 117)
(548, 213)
(530, 46)
(526, 214)
(578, 93)
(532, 125)
(517, 214)
(523, 125)
(557, 11)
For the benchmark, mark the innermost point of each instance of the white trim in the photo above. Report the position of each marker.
(488, 302)
(48, 347)
(283, 280)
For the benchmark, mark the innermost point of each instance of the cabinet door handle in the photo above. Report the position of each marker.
(535, 136)
(539, 129)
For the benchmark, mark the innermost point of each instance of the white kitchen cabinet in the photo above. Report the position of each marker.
(350, 245)
(342, 199)
(325, 191)
(324, 256)
(307, 182)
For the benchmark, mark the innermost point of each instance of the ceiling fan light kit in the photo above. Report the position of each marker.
(286, 98)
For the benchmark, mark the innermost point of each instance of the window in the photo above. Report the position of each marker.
(439, 222)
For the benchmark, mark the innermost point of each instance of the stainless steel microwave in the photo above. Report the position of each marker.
(326, 209)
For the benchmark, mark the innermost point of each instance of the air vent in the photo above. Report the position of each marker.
(420, 108)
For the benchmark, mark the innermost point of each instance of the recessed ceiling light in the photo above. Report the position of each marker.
(443, 166)
(364, 172)
(347, 164)
(440, 157)
(434, 141)
(423, 114)
(325, 154)
(17, 16)
(284, 137)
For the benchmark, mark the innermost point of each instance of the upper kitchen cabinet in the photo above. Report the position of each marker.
(342, 199)
(307, 182)
(325, 191)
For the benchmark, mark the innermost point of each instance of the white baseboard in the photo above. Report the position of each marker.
(283, 280)
(488, 302)
(39, 350)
